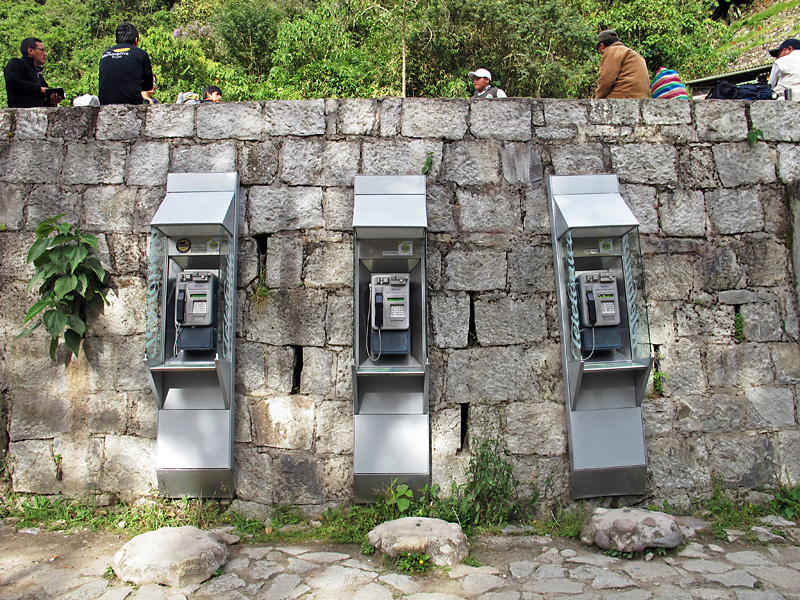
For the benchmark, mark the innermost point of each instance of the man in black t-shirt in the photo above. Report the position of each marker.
(125, 70)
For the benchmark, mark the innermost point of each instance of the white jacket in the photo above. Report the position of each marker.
(786, 74)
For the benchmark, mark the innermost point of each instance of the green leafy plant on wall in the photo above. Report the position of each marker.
(70, 282)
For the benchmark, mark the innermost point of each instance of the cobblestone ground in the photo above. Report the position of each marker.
(43, 565)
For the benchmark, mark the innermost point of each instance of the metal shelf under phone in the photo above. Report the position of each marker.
(179, 364)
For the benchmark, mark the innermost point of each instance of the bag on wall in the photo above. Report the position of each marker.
(745, 91)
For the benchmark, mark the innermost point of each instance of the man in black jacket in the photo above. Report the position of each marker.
(125, 70)
(25, 85)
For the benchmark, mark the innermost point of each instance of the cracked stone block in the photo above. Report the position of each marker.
(493, 209)
(721, 120)
(577, 159)
(273, 209)
(450, 320)
(475, 270)
(403, 157)
(645, 163)
(119, 122)
(741, 164)
(441, 118)
(521, 163)
(283, 422)
(294, 117)
(507, 120)
(683, 212)
(31, 162)
(472, 163)
(170, 120)
(356, 116)
(510, 320)
(236, 120)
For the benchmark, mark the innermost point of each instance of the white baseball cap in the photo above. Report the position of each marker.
(480, 73)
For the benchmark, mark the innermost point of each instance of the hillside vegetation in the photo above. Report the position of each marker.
(291, 49)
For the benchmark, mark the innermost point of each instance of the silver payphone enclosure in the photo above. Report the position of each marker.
(194, 231)
(391, 418)
(606, 367)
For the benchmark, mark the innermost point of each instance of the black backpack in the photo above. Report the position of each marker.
(745, 91)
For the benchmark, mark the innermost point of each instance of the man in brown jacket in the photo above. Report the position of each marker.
(623, 72)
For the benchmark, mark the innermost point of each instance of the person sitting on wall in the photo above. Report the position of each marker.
(212, 93)
(623, 72)
(25, 84)
(125, 70)
(149, 95)
(482, 81)
(785, 74)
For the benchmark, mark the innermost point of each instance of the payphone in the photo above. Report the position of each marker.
(190, 337)
(391, 420)
(605, 339)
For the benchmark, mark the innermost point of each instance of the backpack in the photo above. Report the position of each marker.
(745, 91)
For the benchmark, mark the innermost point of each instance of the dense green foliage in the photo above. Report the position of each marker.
(265, 49)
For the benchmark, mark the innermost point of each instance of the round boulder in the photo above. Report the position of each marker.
(174, 556)
(631, 530)
(444, 542)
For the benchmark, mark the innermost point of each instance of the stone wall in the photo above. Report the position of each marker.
(717, 216)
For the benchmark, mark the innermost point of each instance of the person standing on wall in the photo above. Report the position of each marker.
(482, 81)
(623, 72)
(25, 84)
(125, 70)
(785, 74)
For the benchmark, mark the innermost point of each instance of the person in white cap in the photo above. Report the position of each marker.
(785, 73)
(482, 80)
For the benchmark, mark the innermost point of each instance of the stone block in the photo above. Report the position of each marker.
(80, 465)
(645, 163)
(472, 163)
(678, 462)
(657, 112)
(12, 204)
(762, 322)
(338, 321)
(330, 266)
(475, 270)
(712, 323)
(441, 118)
(537, 214)
(281, 361)
(32, 123)
(284, 261)
(119, 122)
(147, 202)
(510, 320)
(318, 376)
(298, 479)
(33, 467)
(440, 206)
(147, 164)
(786, 358)
(344, 374)
(492, 209)
(788, 443)
(255, 480)
(521, 163)
(530, 269)
(715, 414)
(389, 116)
(170, 121)
(129, 466)
(103, 412)
(721, 120)
(109, 208)
(577, 159)
(94, 163)
(219, 157)
(450, 320)
(283, 422)
(683, 365)
(318, 162)
(536, 429)
(696, 168)
(765, 260)
(557, 113)
(778, 121)
(135, 375)
(248, 263)
(642, 201)
(337, 209)
(507, 120)
(662, 321)
(434, 268)
(770, 408)
(273, 209)
(124, 313)
(258, 163)
(31, 162)
(719, 268)
(232, 120)
(400, 157)
(334, 427)
(356, 116)
(289, 317)
(491, 374)
(683, 213)
(669, 277)
(294, 117)
(5, 124)
(38, 414)
(788, 163)
(737, 297)
(735, 210)
(743, 460)
(741, 164)
(739, 365)
(614, 112)
(251, 371)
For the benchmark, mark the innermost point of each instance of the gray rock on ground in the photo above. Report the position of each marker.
(174, 556)
(631, 530)
(444, 542)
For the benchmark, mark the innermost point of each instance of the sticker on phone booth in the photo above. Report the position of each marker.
(606, 246)
(405, 248)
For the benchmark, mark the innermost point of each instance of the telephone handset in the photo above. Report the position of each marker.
(389, 300)
(599, 299)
